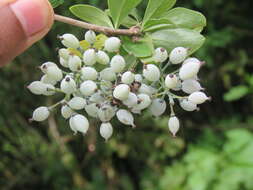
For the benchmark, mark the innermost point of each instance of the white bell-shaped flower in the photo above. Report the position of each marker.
(40, 114)
(125, 117)
(106, 130)
(79, 123)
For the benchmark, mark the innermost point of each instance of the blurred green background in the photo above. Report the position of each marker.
(213, 151)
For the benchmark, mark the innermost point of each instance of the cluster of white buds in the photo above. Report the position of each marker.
(101, 84)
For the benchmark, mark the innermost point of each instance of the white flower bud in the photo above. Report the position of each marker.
(46, 65)
(107, 74)
(64, 62)
(190, 85)
(138, 78)
(54, 73)
(66, 112)
(143, 102)
(90, 37)
(160, 55)
(145, 89)
(117, 64)
(189, 70)
(70, 41)
(64, 53)
(192, 59)
(92, 110)
(89, 73)
(74, 63)
(178, 87)
(157, 107)
(112, 44)
(40, 114)
(198, 97)
(97, 98)
(121, 92)
(90, 57)
(171, 81)
(37, 87)
(79, 123)
(50, 90)
(106, 130)
(188, 106)
(102, 58)
(106, 87)
(131, 101)
(136, 111)
(88, 88)
(45, 79)
(106, 113)
(125, 117)
(173, 125)
(68, 85)
(77, 103)
(178, 55)
(151, 72)
(127, 77)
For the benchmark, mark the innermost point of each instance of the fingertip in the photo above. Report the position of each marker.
(22, 23)
(35, 16)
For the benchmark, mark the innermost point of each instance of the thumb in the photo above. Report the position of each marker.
(22, 23)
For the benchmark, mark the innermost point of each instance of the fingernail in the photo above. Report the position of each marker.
(30, 15)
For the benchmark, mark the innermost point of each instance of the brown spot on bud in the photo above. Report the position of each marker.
(139, 101)
(44, 66)
(134, 87)
(162, 50)
(115, 102)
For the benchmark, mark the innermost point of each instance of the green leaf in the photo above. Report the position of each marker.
(157, 24)
(135, 14)
(75, 52)
(129, 22)
(156, 8)
(186, 18)
(172, 38)
(100, 41)
(120, 9)
(236, 93)
(92, 15)
(56, 3)
(85, 45)
(141, 48)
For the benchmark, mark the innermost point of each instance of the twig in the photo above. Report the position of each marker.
(133, 31)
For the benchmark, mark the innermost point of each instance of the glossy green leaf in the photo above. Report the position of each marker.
(56, 3)
(129, 22)
(236, 93)
(135, 14)
(156, 8)
(120, 9)
(186, 18)
(171, 38)
(157, 24)
(141, 48)
(91, 14)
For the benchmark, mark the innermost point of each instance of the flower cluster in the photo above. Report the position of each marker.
(101, 84)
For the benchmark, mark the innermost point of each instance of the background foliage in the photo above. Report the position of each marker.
(214, 149)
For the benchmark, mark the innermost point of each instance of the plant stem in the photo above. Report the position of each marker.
(133, 31)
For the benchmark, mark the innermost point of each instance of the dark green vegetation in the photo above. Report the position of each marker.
(214, 148)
